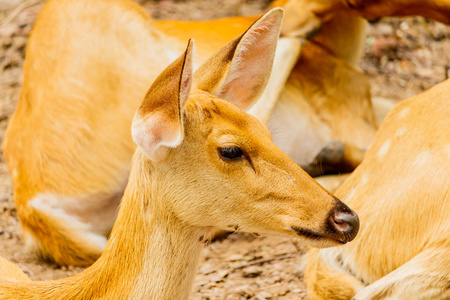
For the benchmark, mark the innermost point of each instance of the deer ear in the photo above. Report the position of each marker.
(158, 122)
(242, 67)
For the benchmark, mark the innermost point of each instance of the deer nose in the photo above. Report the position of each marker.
(344, 222)
(331, 154)
(337, 157)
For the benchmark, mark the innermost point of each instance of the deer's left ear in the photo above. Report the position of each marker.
(242, 68)
(158, 122)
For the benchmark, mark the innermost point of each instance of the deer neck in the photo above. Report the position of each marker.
(150, 254)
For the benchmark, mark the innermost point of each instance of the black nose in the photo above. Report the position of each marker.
(335, 157)
(344, 222)
(331, 154)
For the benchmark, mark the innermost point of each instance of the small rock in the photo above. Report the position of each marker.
(235, 257)
(252, 272)
(276, 279)
(263, 295)
(384, 29)
(207, 269)
(404, 26)
(280, 290)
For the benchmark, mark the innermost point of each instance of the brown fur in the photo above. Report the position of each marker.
(190, 191)
(401, 193)
(10, 271)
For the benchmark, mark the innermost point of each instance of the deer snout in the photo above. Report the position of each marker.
(344, 222)
(332, 153)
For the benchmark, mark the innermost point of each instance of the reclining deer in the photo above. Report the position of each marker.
(68, 146)
(401, 193)
(201, 164)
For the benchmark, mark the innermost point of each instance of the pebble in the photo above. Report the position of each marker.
(251, 272)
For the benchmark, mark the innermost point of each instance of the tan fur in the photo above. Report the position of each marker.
(401, 193)
(172, 204)
(68, 146)
(10, 271)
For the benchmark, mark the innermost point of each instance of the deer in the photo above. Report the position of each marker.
(401, 193)
(67, 145)
(201, 163)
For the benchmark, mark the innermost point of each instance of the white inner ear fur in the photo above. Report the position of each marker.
(252, 61)
(154, 133)
(157, 131)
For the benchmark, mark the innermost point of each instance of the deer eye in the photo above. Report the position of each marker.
(231, 152)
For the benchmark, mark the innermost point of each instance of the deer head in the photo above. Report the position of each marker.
(210, 164)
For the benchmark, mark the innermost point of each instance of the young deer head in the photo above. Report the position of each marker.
(215, 165)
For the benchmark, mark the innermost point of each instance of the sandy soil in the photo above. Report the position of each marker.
(402, 58)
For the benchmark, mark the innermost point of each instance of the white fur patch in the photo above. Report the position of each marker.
(447, 150)
(401, 131)
(384, 148)
(152, 131)
(341, 262)
(330, 256)
(53, 206)
(31, 244)
(403, 113)
(423, 158)
(364, 179)
(14, 173)
(288, 227)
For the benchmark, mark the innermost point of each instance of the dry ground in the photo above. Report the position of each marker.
(402, 58)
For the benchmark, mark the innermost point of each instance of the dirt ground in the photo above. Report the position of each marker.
(402, 58)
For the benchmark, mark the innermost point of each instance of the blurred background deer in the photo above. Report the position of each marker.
(401, 193)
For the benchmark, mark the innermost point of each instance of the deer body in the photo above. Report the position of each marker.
(401, 193)
(201, 164)
(68, 146)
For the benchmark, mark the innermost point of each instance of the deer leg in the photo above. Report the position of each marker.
(426, 276)
(324, 281)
